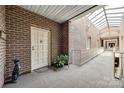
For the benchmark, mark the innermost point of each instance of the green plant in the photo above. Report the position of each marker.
(61, 60)
(66, 59)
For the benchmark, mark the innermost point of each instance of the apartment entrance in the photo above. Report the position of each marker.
(39, 47)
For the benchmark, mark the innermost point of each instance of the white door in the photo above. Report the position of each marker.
(34, 48)
(40, 47)
(43, 47)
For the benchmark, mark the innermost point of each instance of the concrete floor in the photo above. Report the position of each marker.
(96, 73)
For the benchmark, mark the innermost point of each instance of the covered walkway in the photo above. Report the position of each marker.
(96, 73)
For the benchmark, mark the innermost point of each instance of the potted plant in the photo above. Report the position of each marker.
(66, 58)
(60, 61)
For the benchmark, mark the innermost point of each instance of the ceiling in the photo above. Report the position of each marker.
(58, 13)
(108, 16)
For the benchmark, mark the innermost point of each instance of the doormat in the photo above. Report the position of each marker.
(40, 70)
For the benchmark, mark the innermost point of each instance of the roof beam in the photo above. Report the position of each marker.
(84, 11)
(106, 17)
(91, 10)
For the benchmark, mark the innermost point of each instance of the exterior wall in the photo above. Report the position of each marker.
(2, 45)
(65, 30)
(80, 31)
(18, 23)
(113, 32)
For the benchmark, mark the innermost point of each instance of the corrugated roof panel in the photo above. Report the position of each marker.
(58, 13)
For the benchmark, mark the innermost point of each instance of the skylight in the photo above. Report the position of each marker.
(107, 16)
(93, 15)
(113, 6)
(114, 15)
(115, 11)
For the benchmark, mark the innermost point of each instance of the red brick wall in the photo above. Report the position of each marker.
(18, 44)
(2, 46)
(65, 30)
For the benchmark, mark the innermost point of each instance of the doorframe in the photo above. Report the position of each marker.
(49, 44)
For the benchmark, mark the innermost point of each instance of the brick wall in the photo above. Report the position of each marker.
(83, 41)
(65, 30)
(2, 46)
(18, 43)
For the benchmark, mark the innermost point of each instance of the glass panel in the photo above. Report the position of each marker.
(98, 19)
(95, 13)
(114, 21)
(101, 24)
(114, 15)
(103, 21)
(98, 16)
(114, 25)
(116, 18)
(115, 11)
(113, 6)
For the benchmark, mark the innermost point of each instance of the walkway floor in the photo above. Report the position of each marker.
(96, 73)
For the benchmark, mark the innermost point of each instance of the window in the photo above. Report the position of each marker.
(89, 43)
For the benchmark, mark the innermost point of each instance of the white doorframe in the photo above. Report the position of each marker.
(36, 54)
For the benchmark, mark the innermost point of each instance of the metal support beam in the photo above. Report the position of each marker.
(84, 12)
(91, 10)
(106, 18)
